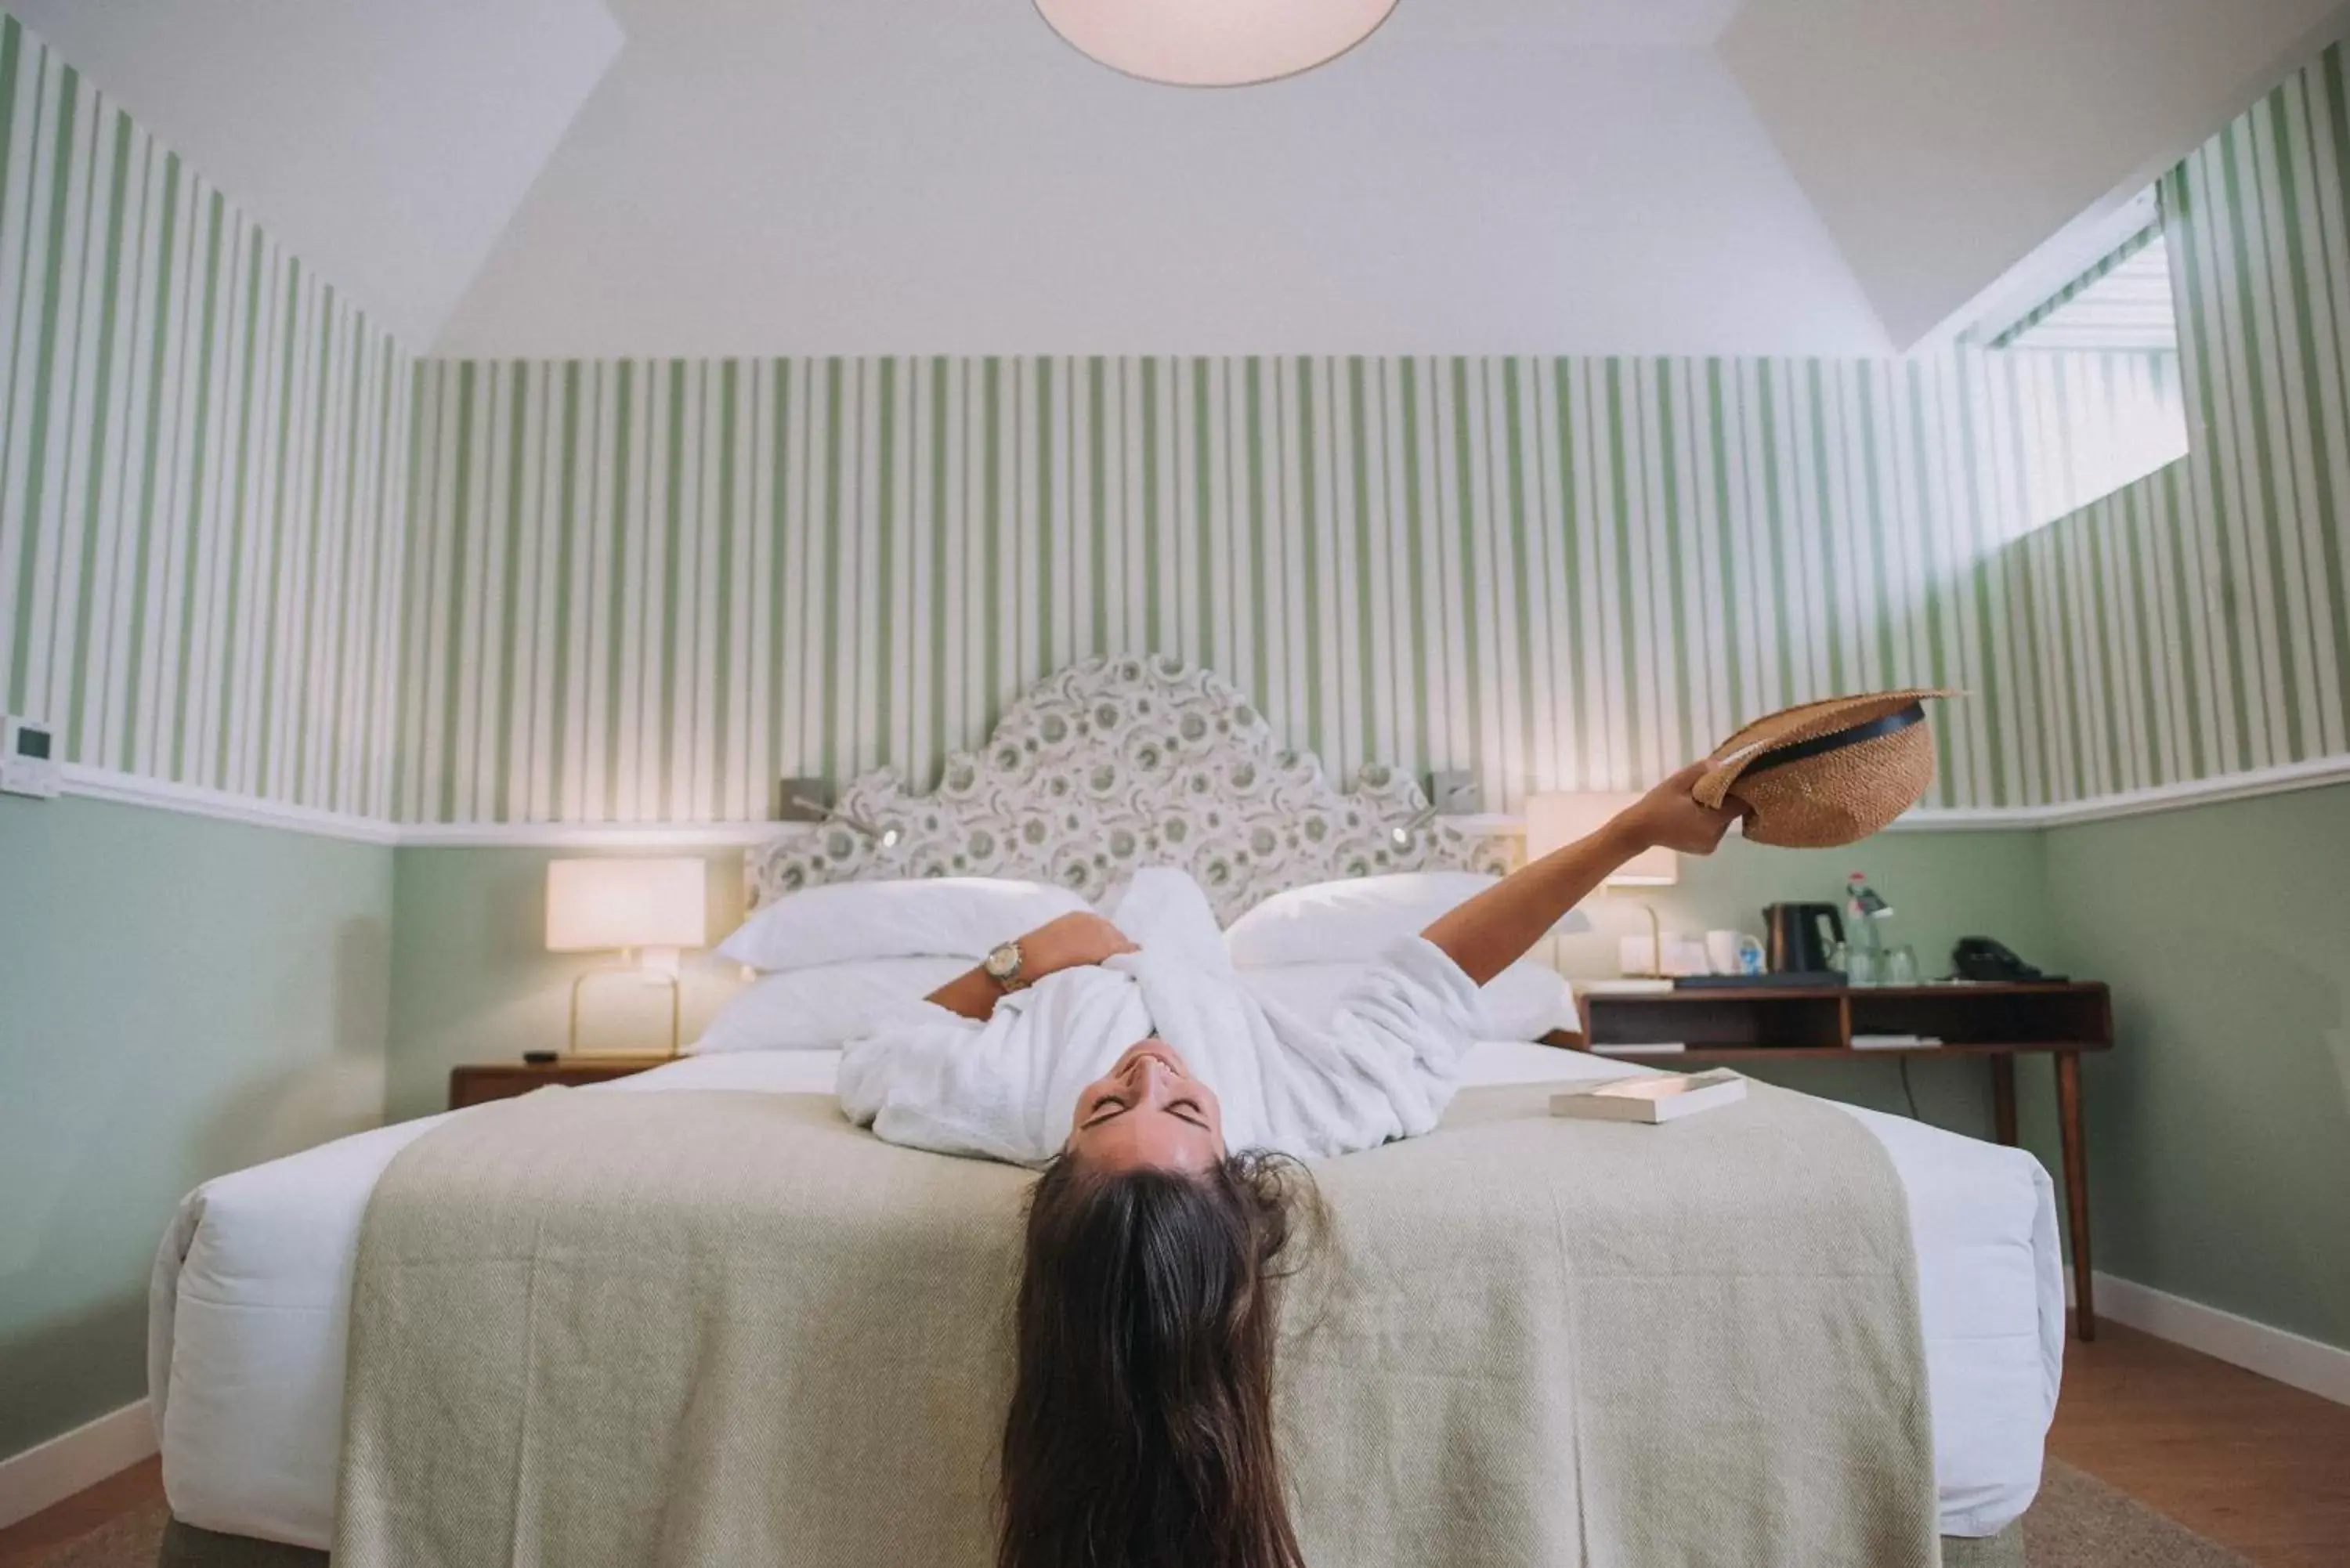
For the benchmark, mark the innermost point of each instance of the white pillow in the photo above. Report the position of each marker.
(1525, 1001)
(815, 1009)
(933, 916)
(1352, 920)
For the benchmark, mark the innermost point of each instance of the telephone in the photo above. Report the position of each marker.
(1986, 958)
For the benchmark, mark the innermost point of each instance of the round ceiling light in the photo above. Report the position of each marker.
(1214, 43)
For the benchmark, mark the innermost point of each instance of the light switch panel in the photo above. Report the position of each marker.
(29, 761)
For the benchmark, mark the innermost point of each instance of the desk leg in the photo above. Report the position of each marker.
(2002, 1099)
(2076, 1188)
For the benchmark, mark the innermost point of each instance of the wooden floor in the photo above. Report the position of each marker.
(25, 1543)
(2255, 1465)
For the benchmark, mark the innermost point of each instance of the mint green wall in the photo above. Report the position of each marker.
(183, 997)
(2219, 1129)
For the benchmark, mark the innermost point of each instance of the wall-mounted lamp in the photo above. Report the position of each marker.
(817, 812)
(1403, 833)
(647, 910)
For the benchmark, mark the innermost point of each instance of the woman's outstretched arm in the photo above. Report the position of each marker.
(1496, 929)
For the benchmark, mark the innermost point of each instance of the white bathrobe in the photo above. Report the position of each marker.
(1384, 1067)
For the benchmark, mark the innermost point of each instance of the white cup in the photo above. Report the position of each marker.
(1734, 952)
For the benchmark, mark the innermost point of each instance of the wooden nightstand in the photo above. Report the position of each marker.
(481, 1082)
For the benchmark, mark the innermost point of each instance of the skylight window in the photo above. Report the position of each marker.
(2087, 385)
(2123, 303)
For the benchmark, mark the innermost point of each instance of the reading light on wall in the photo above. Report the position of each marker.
(1214, 43)
(1403, 833)
(817, 811)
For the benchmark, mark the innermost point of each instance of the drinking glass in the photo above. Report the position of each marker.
(1863, 966)
(1900, 966)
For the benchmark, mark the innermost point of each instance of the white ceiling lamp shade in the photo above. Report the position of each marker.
(1214, 43)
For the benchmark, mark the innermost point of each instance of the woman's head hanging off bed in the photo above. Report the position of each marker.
(1140, 1432)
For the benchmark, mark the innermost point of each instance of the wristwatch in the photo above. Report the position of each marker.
(1002, 966)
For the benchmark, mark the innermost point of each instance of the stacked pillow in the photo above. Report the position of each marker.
(1305, 949)
(834, 957)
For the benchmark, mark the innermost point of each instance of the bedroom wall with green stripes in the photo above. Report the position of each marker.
(640, 591)
(2195, 624)
(203, 462)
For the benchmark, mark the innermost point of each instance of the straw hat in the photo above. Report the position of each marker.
(1827, 773)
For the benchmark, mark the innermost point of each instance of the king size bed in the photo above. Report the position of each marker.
(1106, 767)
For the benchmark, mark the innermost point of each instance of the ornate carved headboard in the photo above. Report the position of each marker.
(1118, 764)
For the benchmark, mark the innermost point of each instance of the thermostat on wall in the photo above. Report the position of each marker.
(28, 763)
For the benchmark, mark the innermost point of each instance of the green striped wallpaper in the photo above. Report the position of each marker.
(202, 473)
(641, 591)
(2195, 625)
(245, 544)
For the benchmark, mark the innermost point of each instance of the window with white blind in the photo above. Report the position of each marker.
(2088, 380)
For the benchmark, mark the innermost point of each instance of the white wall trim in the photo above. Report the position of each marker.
(130, 789)
(2306, 1364)
(2314, 774)
(70, 1461)
(593, 835)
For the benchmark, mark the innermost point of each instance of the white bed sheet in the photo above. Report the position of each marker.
(252, 1290)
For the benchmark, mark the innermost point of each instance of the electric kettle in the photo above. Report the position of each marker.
(1801, 937)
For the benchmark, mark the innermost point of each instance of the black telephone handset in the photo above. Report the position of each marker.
(1987, 959)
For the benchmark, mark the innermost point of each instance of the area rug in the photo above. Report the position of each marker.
(2078, 1521)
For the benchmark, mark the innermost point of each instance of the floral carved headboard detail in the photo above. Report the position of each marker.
(1119, 764)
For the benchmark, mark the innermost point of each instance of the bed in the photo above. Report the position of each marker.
(1110, 764)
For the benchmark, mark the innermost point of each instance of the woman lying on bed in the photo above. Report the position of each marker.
(1168, 1108)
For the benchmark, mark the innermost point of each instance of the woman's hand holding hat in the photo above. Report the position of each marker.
(1670, 818)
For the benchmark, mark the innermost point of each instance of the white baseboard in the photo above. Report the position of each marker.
(67, 1463)
(2309, 1364)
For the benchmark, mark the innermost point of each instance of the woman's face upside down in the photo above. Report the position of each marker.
(1147, 1110)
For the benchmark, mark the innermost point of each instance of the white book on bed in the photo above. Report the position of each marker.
(1662, 1099)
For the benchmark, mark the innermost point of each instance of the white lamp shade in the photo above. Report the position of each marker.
(596, 905)
(1554, 821)
(1214, 43)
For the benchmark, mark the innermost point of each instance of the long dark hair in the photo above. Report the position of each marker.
(1142, 1427)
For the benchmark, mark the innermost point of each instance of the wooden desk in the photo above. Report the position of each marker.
(2000, 1023)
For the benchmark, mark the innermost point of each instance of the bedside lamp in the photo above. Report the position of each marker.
(1558, 819)
(648, 910)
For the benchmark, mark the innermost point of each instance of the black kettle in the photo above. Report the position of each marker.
(1800, 937)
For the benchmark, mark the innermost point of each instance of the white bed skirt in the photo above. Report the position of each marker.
(251, 1297)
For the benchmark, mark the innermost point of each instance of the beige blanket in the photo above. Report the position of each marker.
(707, 1328)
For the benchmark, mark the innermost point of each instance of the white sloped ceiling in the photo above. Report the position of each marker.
(385, 143)
(1941, 142)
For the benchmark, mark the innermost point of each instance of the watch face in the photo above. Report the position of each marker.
(1004, 962)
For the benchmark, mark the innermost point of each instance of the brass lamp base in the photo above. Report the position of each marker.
(676, 1001)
